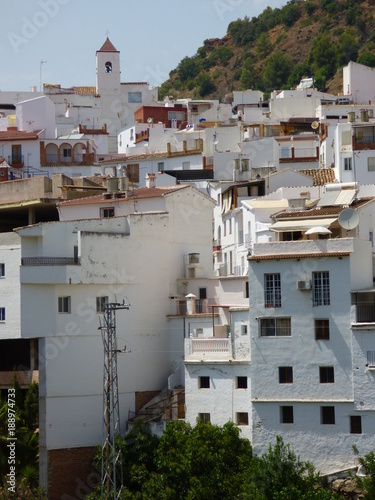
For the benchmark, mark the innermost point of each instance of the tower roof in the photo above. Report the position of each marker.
(108, 47)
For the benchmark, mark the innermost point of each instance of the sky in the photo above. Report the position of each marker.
(55, 41)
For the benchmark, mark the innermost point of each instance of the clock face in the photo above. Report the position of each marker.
(108, 67)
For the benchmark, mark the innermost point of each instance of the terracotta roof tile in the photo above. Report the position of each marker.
(85, 90)
(136, 194)
(108, 47)
(18, 135)
(320, 176)
(320, 212)
(312, 255)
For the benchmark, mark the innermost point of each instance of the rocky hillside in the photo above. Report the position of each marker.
(278, 48)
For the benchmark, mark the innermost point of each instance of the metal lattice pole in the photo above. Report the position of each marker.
(112, 476)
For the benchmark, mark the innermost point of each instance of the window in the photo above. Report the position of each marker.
(107, 213)
(2, 270)
(285, 374)
(243, 329)
(16, 154)
(204, 382)
(246, 289)
(108, 67)
(100, 303)
(134, 96)
(321, 288)
(347, 164)
(242, 418)
(225, 227)
(275, 327)
(322, 329)
(241, 382)
(230, 226)
(326, 374)
(67, 153)
(176, 115)
(355, 424)
(185, 165)
(205, 418)
(2, 313)
(272, 290)
(133, 172)
(286, 415)
(371, 164)
(64, 305)
(371, 238)
(371, 359)
(160, 166)
(327, 415)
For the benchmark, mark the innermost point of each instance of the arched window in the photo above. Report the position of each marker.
(108, 67)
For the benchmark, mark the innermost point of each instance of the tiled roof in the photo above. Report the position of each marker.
(320, 212)
(108, 47)
(136, 194)
(320, 176)
(85, 90)
(18, 135)
(135, 158)
(298, 255)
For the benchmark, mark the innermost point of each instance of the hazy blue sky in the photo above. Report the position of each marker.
(152, 36)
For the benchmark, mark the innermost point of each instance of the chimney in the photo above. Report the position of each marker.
(150, 180)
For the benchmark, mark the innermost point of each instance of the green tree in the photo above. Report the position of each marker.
(367, 483)
(281, 475)
(206, 85)
(188, 68)
(367, 58)
(248, 75)
(264, 46)
(276, 71)
(290, 14)
(322, 56)
(347, 47)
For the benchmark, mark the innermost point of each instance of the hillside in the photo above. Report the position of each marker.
(278, 48)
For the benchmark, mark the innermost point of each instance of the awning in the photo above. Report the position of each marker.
(301, 225)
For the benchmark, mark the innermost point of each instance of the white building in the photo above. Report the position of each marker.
(359, 82)
(71, 267)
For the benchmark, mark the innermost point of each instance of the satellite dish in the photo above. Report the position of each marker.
(348, 219)
(315, 125)
(150, 120)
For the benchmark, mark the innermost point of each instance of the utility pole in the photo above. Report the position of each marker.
(112, 476)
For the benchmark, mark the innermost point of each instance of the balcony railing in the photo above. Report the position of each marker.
(208, 349)
(230, 270)
(49, 261)
(15, 160)
(364, 313)
(210, 345)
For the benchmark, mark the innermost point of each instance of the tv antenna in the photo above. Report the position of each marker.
(112, 475)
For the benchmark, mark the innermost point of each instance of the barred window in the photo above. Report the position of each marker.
(272, 290)
(321, 295)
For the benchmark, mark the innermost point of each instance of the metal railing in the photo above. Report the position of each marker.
(365, 313)
(15, 160)
(50, 261)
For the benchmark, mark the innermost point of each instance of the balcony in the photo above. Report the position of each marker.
(15, 161)
(208, 349)
(50, 261)
(363, 314)
(226, 270)
(50, 270)
(293, 155)
(216, 247)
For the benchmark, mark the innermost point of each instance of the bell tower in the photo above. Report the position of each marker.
(107, 69)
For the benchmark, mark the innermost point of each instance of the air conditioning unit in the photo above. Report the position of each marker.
(304, 285)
